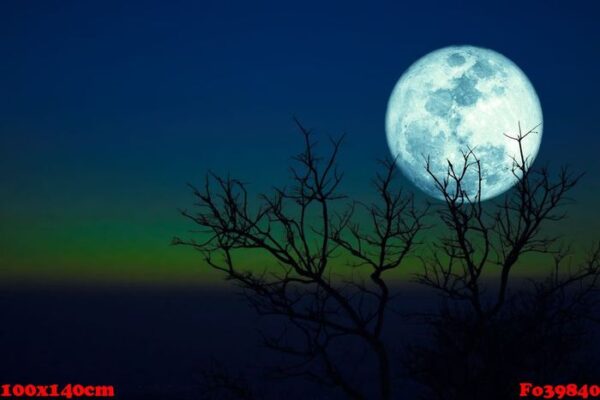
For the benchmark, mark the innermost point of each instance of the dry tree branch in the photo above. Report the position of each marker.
(302, 233)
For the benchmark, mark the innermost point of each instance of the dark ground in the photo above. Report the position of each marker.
(155, 343)
(148, 343)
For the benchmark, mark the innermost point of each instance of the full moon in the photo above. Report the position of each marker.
(457, 99)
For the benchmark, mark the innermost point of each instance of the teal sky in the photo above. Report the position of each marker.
(107, 110)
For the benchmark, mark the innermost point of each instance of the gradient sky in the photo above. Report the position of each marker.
(107, 109)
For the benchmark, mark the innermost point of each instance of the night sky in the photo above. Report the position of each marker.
(107, 109)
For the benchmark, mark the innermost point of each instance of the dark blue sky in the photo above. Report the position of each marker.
(108, 108)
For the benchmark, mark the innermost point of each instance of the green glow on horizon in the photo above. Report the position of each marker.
(114, 252)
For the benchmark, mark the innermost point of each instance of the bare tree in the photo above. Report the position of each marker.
(328, 284)
(485, 336)
(479, 240)
(326, 304)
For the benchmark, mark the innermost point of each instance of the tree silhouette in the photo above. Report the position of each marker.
(478, 238)
(487, 338)
(299, 228)
(328, 281)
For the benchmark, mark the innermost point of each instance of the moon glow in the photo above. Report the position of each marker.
(460, 98)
